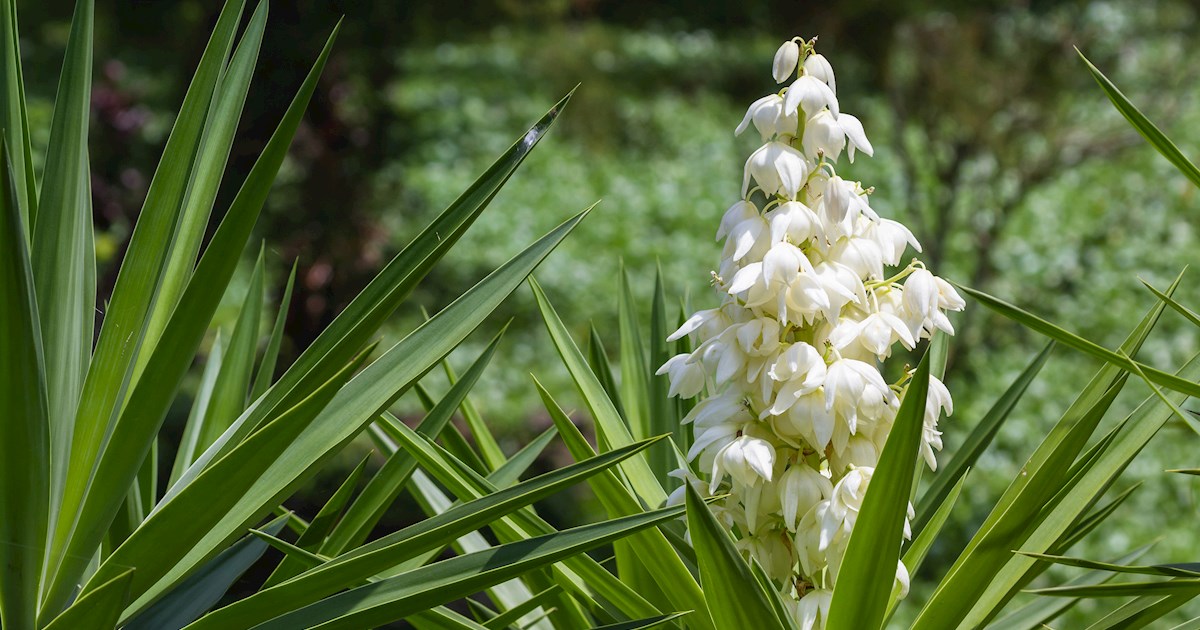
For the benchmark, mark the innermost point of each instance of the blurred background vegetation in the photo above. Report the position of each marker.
(992, 144)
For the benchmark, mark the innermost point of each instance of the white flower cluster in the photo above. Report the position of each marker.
(794, 410)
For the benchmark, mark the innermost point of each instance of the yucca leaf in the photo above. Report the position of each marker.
(914, 556)
(628, 566)
(367, 312)
(24, 433)
(868, 569)
(1039, 612)
(188, 443)
(318, 529)
(1191, 624)
(204, 588)
(1190, 586)
(735, 598)
(1010, 523)
(610, 427)
(1130, 438)
(407, 593)
(329, 513)
(178, 536)
(433, 501)
(489, 448)
(510, 616)
(14, 119)
(106, 385)
(645, 624)
(1158, 377)
(207, 172)
(666, 414)
(1149, 131)
(233, 381)
(635, 386)
(1012, 518)
(306, 558)
(442, 618)
(1187, 569)
(1141, 612)
(1092, 520)
(977, 441)
(651, 548)
(607, 597)
(597, 358)
(355, 566)
(456, 442)
(97, 610)
(266, 368)
(520, 462)
(480, 611)
(63, 253)
(388, 483)
(99, 495)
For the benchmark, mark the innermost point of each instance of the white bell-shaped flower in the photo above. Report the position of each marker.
(746, 459)
(769, 118)
(684, 474)
(948, 298)
(839, 200)
(810, 95)
(853, 387)
(793, 221)
(778, 169)
(860, 253)
(921, 306)
(855, 135)
(800, 488)
(901, 579)
(875, 333)
(892, 237)
(799, 370)
(824, 136)
(685, 374)
(816, 65)
(707, 323)
(771, 553)
(859, 450)
(844, 504)
(811, 612)
(741, 211)
(716, 420)
(759, 340)
(749, 236)
(937, 402)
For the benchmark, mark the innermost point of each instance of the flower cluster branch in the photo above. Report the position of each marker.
(794, 407)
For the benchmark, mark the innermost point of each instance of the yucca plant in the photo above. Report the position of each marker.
(1066, 489)
(92, 537)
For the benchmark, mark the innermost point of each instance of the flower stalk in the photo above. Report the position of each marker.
(794, 409)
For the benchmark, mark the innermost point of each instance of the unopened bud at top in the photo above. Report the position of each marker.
(786, 60)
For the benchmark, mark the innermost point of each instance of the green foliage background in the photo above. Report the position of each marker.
(991, 141)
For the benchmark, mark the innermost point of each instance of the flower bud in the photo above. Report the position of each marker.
(786, 59)
(818, 66)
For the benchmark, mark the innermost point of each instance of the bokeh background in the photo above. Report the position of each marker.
(991, 142)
